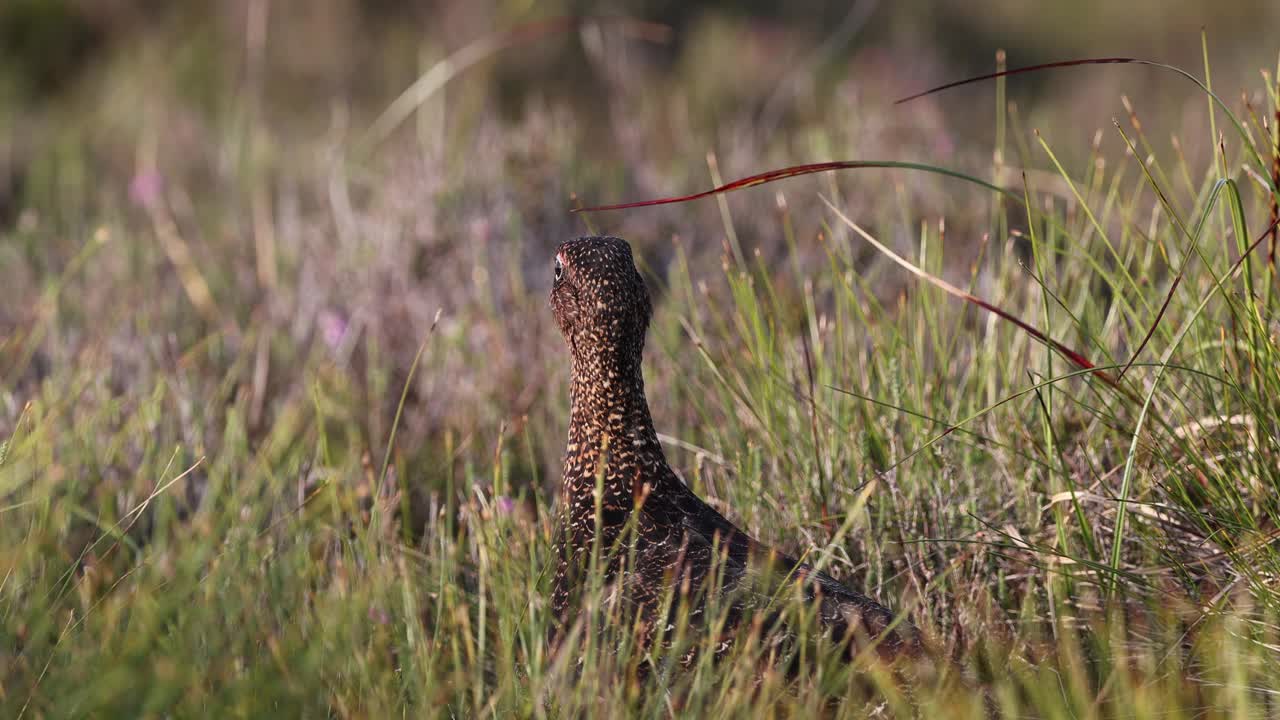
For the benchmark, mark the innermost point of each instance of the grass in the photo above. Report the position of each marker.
(281, 435)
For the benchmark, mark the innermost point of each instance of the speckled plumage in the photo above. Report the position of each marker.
(602, 307)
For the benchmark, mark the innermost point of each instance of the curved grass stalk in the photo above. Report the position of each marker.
(475, 52)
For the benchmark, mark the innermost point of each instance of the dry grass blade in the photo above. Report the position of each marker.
(1154, 324)
(1275, 183)
(797, 171)
(1028, 69)
(1076, 357)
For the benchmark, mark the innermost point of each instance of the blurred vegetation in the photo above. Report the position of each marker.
(282, 408)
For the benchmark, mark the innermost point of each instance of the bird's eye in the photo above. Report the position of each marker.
(559, 270)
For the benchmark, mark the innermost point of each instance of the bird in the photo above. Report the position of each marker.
(618, 491)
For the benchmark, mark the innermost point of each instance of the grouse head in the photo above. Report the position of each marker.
(600, 302)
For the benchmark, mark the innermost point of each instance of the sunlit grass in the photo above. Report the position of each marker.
(222, 516)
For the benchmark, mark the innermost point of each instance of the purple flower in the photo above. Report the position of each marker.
(333, 329)
(505, 505)
(145, 189)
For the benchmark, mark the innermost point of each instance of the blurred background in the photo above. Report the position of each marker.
(257, 180)
(279, 383)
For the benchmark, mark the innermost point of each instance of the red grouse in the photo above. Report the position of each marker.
(678, 542)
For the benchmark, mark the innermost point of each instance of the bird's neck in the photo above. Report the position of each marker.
(611, 434)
